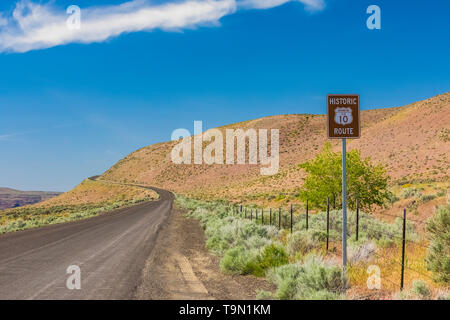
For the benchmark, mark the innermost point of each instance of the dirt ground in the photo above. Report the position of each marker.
(180, 267)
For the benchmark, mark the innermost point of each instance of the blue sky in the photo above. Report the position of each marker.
(72, 110)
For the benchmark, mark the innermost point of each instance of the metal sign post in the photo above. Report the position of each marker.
(343, 122)
(344, 204)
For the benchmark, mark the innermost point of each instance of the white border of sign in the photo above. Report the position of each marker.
(359, 115)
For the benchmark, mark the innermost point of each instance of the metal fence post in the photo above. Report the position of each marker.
(328, 221)
(334, 201)
(279, 218)
(357, 219)
(291, 216)
(403, 249)
(251, 215)
(270, 216)
(245, 213)
(262, 216)
(344, 209)
(256, 211)
(307, 208)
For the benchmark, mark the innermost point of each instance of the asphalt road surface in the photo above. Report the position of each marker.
(110, 249)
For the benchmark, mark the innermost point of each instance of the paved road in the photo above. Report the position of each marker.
(110, 249)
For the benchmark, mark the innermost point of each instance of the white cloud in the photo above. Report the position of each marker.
(35, 25)
(265, 4)
(3, 21)
(313, 5)
(261, 4)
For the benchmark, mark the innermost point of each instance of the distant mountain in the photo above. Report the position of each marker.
(11, 198)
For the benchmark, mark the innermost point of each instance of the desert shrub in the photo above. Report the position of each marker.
(410, 192)
(323, 295)
(301, 242)
(264, 295)
(438, 255)
(392, 198)
(361, 252)
(313, 279)
(216, 244)
(441, 193)
(249, 228)
(190, 204)
(418, 291)
(285, 278)
(239, 260)
(225, 233)
(317, 276)
(256, 242)
(427, 197)
(443, 295)
(272, 255)
(421, 289)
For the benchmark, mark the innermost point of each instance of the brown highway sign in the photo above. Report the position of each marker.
(343, 119)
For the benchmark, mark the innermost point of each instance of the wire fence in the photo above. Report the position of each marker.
(396, 261)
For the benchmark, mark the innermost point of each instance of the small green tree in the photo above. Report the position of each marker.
(438, 256)
(322, 179)
(365, 181)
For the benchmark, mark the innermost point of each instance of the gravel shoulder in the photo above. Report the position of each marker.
(180, 267)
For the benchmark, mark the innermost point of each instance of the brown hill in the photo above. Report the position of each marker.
(92, 192)
(11, 198)
(413, 141)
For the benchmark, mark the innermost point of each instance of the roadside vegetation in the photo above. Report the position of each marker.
(88, 199)
(297, 262)
(438, 256)
(420, 290)
(366, 182)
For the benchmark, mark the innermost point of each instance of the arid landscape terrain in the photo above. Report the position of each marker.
(412, 141)
(87, 199)
(251, 152)
(11, 198)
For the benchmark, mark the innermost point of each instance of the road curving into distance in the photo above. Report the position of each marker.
(111, 250)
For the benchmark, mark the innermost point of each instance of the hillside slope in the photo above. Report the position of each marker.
(88, 199)
(413, 141)
(91, 192)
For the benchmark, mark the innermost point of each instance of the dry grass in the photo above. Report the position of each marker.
(389, 262)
